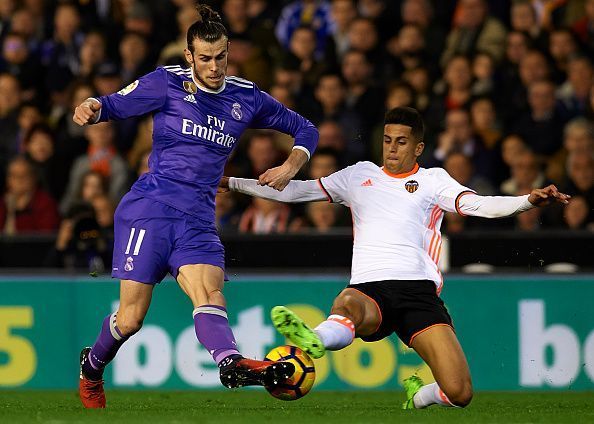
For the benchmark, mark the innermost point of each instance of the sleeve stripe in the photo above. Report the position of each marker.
(458, 197)
(325, 191)
(304, 149)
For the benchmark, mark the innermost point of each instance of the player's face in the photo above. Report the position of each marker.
(209, 62)
(401, 150)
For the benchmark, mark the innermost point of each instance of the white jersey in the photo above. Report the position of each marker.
(396, 219)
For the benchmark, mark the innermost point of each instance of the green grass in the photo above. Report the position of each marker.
(254, 406)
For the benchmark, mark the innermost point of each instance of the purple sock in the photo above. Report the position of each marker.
(105, 348)
(213, 331)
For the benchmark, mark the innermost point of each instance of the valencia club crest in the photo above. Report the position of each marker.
(411, 186)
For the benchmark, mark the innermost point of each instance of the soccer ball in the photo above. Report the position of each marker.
(301, 382)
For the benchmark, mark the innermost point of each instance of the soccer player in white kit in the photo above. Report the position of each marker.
(395, 280)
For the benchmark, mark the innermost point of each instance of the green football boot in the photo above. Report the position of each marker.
(293, 328)
(411, 385)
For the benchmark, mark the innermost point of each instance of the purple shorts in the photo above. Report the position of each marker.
(152, 239)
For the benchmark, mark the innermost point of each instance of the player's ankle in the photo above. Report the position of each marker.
(229, 360)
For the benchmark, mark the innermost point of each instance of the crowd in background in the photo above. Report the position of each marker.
(506, 89)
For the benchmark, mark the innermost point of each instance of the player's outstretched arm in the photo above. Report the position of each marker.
(87, 112)
(279, 177)
(505, 206)
(295, 191)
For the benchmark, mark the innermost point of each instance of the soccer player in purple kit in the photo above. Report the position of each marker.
(166, 223)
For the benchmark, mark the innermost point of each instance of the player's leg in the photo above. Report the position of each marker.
(143, 234)
(117, 327)
(203, 283)
(438, 346)
(353, 314)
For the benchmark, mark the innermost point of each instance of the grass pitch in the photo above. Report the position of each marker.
(254, 406)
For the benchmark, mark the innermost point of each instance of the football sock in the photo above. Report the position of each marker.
(105, 348)
(336, 332)
(213, 331)
(429, 395)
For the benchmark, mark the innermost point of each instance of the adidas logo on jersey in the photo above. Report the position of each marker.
(190, 98)
(367, 183)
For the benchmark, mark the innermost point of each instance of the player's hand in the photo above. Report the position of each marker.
(545, 196)
(278, 177)
(86, 112)
(223, 185)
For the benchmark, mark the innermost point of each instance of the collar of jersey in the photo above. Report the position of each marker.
(404, 174)
(208, 90)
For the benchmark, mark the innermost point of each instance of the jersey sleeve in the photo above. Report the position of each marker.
(270, 113)
(336, 186)
(449, 191)
(144, 95)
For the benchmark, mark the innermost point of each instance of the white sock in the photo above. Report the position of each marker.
(336, 332)
(431, 394)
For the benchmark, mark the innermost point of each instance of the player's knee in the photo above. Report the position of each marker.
(216, 297)
(347, 304)
(129, 324)
(460, 394)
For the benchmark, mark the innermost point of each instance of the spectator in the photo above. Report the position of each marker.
(484, 121)
(227, 214)
(524, 20)
(459, 136)
(363, 37)
(314, 13)
(483, 71)
(81, 243)
(265, 217)
(580, 169)
(93, 52)
(511, 147)
(10, 101)
(533, 67)
(576, 213)
(172, 52)
(420, 13)
(70, 140)
(60, 54)
(460, 167)
(574, 93)
(323, 163)
(584, 27)
(362, 97)
(407, 51)
(562, 46)
(20, 62)
(39, 145)
(453, 92)
(525, 175)
(321, 217)
(541, 127)
(342, 14)
(24, 23)
(420, 80)
(24, 207)
(578, 137)
(29, 115)
(302, 46)
(102, 158)
(134, 57)
(7, 8)
(474, 31)
(330, 96)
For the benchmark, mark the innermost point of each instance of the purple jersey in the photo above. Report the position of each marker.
(195, 130)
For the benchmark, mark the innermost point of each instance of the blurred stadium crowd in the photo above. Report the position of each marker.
(506, 89)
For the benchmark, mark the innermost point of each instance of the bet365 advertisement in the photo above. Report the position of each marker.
(518, 333)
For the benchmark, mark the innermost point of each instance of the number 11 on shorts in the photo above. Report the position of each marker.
(139, 239)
